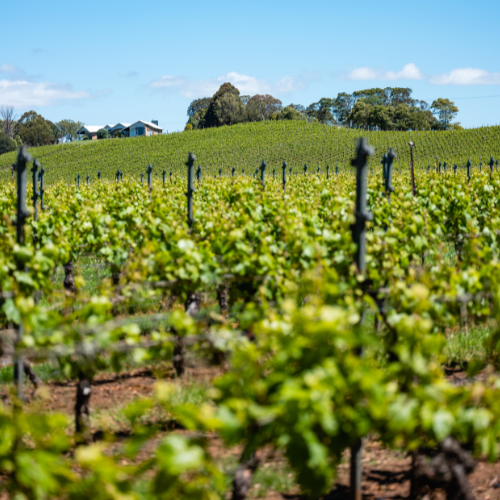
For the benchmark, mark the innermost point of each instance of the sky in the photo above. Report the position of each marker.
(122, 61)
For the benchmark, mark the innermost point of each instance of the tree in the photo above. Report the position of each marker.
(198, 119)
(34, 130)
(244, 99)
(68, 129)
(228, 109)
(290, 113)
(445, 110)
(102, 133)
(7, 144)
(8, 121)
(360, 114)
(261, 107)
(322, 110)
(214, 116)
(343, 107)
(197, 105)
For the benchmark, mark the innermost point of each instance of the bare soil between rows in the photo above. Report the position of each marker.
(385, 472)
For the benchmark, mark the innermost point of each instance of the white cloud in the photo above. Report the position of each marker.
(10, 68)
(247, 85)
(364, 73)
(24, 94)
(409, 72)
(206, 88)
(290, 84)
(466, 76)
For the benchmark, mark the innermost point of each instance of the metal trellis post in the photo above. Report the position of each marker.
(22, 158)
(190, 187)
(359, 237)
(263, 173)
(42, 188)
(36, 194)
(150, 170)
(389, 158)
(412, 145)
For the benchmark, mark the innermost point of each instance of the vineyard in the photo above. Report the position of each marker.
(241, 146)
(299, 318)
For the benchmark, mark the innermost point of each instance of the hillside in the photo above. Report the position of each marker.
(245, 146)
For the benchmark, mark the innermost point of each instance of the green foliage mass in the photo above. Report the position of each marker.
(244, 146)
(6, 144)
(300, 386)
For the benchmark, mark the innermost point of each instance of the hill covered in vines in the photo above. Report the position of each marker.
(244, 146)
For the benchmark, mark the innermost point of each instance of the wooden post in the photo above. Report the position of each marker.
(444, 167)
(327, 171)
(336, 170)
(468, 170)
(284, 174)
(232, 171)
(78, 180)
(99, 175)
(492, 163)
(22, 158)
(455, 169)
(305, 169)
(190, 187)
(359, 237)
(88, 177)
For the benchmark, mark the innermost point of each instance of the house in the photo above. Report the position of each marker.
(119, 127)
(136, 129)
(90, 131)
(142, 128)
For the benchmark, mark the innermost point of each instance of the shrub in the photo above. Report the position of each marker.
(102, 134)
(188, 127)
(6, 144)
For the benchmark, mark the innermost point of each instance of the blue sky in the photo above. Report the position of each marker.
(120, 61)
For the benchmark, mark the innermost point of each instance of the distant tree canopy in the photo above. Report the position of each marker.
(102, 133)
(68, 129)
(372, 109)
(7, 144)
(35, 130)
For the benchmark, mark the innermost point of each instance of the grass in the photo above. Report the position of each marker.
(46, 372)
(465, 345)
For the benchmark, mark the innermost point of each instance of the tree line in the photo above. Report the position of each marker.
(392, 108)
(32, 130)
